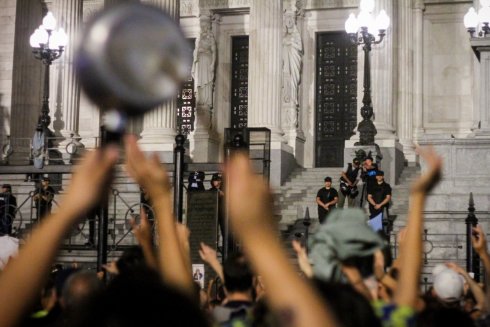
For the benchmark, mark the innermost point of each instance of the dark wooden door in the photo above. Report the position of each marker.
(239, 82)
(336, 97)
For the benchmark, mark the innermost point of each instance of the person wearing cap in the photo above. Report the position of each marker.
(43, 198)
(349, 179)
(8, 207)
(326, 198)
(369, 170)
(217, 186)
(379, 195)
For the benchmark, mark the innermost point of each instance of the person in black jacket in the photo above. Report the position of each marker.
(326, 198)
(43, 198)
(8, 208)
(379, 195)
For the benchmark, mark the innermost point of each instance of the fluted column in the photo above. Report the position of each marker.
(27, 78)
(418, 13)
(159, 125)
(382, 65)
(405, 79)
(69, 14)
(265, 66)
(483, 48)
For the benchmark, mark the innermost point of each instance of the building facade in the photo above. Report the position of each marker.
(285, 65)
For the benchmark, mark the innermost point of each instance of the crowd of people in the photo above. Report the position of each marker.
(348, 277)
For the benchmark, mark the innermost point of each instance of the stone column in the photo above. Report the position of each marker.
(159, 125)
(265, 66)
(69, 14)
(265, 83)
(27, 79)
(383, 63)
(418, 77)
(405, 79)
(482, 47)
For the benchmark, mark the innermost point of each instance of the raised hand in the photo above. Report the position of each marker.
(303, 261)
(148, 173)
(478, 240)
(89, 180)
(434, 168)
(248, 195)
(207, 253)
(142, 231)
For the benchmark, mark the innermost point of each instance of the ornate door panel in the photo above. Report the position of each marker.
(336, 97)
(239, 82)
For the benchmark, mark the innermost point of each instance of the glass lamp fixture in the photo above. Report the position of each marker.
(477, 23)
(49, 22)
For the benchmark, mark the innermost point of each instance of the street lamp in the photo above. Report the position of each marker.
(47, 45)
(477, 24)
(361, 30)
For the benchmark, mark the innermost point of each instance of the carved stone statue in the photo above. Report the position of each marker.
(204, 64)
(292, 59)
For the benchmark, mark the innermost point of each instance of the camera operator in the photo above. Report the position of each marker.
(349, 179)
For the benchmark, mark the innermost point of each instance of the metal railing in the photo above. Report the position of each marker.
(125, 203)
(57, 150)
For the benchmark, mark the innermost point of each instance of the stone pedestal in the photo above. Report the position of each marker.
(465, 170)
(393, 159)
(204, 141)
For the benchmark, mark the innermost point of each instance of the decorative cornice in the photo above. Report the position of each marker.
(329, 4)
(223, 4)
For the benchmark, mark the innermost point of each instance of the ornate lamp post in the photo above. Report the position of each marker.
(362, 31)
(47, 45)
(477, 24)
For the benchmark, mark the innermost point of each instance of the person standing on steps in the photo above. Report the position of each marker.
(349, 179)
(43, 198)
(379, 195)
(326, 198)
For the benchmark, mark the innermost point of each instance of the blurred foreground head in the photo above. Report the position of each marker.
(132, 57)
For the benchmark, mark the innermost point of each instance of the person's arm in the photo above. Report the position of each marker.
(208, 255)
(303, 261)
(371, 200)
(475, 289)
(384, 202)
(344, 176)
(183, 234)
(358, 177)
(21, 280)
(334, 201)
(357, 282)
(479, 243)
(143, 234)
(411, 253)
(151, 175)
(320, 203)
(293, 298)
